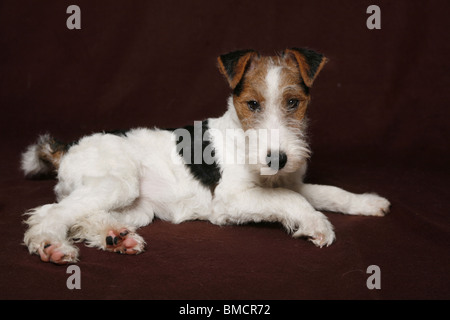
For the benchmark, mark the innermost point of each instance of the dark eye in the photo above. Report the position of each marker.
(292, 104)
(253, 105)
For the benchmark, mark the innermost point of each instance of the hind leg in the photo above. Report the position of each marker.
(122, 237)
(104, 231)
(124, 241)
(49, 225)
(47, 237)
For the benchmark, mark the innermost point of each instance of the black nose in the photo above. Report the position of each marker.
(277, 160)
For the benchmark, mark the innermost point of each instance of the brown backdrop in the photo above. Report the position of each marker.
(379, 122)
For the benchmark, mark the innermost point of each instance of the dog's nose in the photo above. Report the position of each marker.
(279, 158)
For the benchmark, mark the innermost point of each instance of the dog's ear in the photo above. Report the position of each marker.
(234, 64)
(309, 62)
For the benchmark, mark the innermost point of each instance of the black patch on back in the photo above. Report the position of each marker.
(208, 174)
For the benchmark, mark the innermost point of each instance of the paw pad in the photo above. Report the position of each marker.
(124, 241)
(55, 253)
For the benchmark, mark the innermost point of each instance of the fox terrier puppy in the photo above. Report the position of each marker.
(245, 166)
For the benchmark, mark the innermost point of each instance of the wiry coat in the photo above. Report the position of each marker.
(110, 184)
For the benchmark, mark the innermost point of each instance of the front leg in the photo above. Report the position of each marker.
(274, 205)
(331, 198)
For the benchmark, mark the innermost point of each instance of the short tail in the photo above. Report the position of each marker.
(43, 157)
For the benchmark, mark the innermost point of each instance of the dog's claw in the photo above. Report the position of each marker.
(320, 240)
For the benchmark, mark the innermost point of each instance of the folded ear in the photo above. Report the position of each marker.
(309, 62)
(234, 64)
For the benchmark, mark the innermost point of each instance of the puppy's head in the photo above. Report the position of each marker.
(273, 93)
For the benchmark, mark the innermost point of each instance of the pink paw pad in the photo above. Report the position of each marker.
(52, 253)
(124, 242)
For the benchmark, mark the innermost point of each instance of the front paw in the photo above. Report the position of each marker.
(318, 230)
(370, 204)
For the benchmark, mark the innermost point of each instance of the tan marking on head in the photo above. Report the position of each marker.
(290, 84)
(234, 64)
(309, 63)
(289, 76)
(254, 87)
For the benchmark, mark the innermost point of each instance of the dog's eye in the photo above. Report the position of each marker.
(253, 105)
(292, 104)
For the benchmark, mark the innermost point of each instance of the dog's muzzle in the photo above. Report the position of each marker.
(276, 160)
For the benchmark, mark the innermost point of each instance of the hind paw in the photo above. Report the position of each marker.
(124, 241)
(57, 253)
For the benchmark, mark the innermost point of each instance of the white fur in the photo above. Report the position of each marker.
(108, 182)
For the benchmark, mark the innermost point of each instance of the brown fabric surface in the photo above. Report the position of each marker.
(379, 122)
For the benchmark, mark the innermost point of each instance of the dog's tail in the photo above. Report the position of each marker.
(43, 157)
